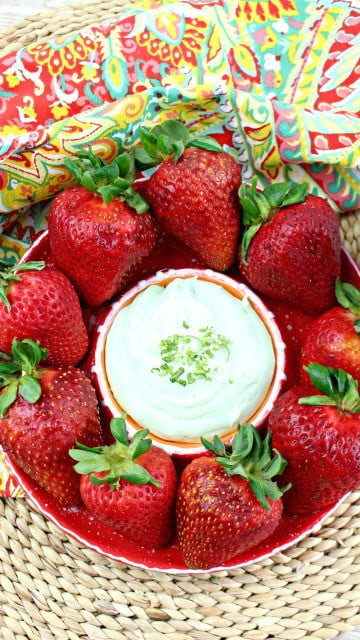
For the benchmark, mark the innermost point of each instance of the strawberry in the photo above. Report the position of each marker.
(222, 507)
(320, 438)
(40, 303)
(291, 247)
(136, 498)
(100, 230)
(44, 411)
(334, 337)
(193, 193)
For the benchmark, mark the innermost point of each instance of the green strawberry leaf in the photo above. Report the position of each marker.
(348, 296)
(207, 143)
(217, 446)
(143, 159)
(109, 479)
(169, 140)
(136, 201)
(243, 441)
(273, 492)
(250, 213)
(88, 463)
(136, 474)
(8, 368)
(260, 207)
(18, 374)
(338, 387)
(248, 235)
(296, 194)
(8, 397)
(28, 354)
(37, 265)
(29, 388)
(117, 459)
(126, 166)
(357, 327)
(9, 274)
(258, 490)
(89, 158)
(109, 180)
(175, 130)
(118, 429)
(275, 467)
(275, 193)
(251, 458)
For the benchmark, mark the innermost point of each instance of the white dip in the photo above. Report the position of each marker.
(181, 395)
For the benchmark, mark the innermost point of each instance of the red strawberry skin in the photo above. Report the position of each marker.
(322, 447)
(143, 513)
(218, 516)
(195, 199)
(45, 307)
(333, 342)
(97, 245)
(38, 436)
(296, 256)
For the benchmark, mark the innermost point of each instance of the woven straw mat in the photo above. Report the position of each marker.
(53, 588)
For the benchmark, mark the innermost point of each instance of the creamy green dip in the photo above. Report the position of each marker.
(189, 360)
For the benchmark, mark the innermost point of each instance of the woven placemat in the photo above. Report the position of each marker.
(53, 588)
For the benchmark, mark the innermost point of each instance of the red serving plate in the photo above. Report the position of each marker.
(79, 524)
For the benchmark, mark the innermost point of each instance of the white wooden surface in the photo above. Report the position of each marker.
(10, 12)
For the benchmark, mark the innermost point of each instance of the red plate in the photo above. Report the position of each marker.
(79, 524)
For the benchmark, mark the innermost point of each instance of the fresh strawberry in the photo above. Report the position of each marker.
(334, 337)
(291, 247)
(320, 438)
(193, 193)
(101, 230)
(44, 411)
(221, 504)
(136, 498)
(40, 303)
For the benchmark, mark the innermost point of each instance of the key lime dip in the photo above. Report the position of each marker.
(189, 359)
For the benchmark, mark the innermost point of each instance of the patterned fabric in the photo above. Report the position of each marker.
(279, 76)
(276, 80)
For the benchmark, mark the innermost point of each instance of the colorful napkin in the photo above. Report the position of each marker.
(277, 80)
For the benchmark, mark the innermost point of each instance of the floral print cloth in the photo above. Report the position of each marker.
(276, 80)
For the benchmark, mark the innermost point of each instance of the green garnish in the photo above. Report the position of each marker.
(186, 357)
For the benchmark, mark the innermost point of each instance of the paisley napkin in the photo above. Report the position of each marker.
(276, 80)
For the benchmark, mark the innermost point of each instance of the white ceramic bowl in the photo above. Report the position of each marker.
(109, 405)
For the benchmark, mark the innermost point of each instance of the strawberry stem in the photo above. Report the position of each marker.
(19, 372)
(258, 207)
(9, 274)
(338, 388)
(348, 296)
(169, 140)
(115, 460)
(251, 458)
(108, 180)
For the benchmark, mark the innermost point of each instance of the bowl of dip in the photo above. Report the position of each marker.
(188, 353)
